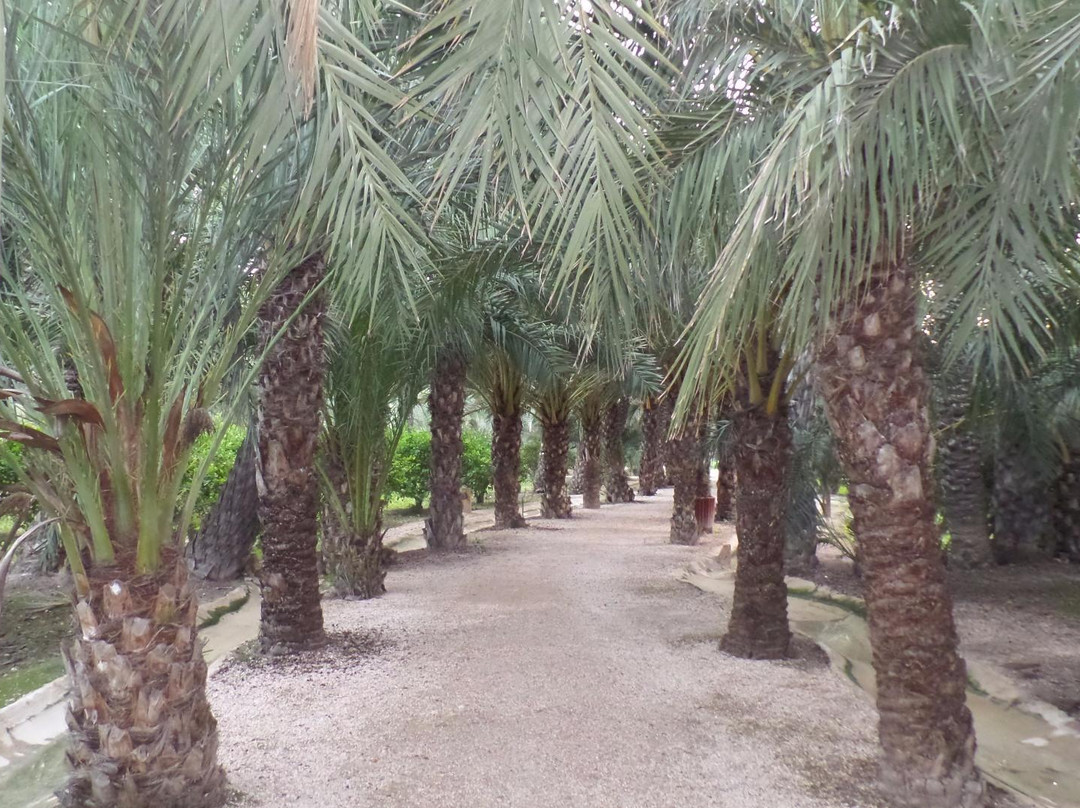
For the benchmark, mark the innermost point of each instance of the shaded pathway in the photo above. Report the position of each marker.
(557, 666)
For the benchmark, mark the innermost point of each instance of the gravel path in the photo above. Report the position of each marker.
(556, 666)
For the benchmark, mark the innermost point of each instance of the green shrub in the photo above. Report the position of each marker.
(216, 474)
(411, 468)
(10, 460)
(530, 456)
(476, 464)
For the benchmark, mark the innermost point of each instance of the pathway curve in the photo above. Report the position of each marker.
(561, 665)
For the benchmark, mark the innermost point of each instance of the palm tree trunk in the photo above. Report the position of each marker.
(290, 401)
(142, 734)
(506, 463)
(725, 488)
(222, 547)
(876, 395)
(1021, 506)
(758, 627)
(577, 478)
(683, 460)
(444, 526)
(592, 443)
(964, 499)
(803, 519)
(555, 501)
(1067, 509)
(618, 488)
(655, 417)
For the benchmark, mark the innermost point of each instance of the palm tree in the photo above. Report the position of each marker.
(290, 405)
(444, 527)
(884, 172)
(617, 486)
(655, 419)
(591, 413)
(553, 403)
(129, 240)
(373, 382)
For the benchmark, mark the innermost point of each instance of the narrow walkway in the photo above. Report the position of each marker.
(557, 666)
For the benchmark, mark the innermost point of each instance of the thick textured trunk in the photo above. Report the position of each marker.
(725, 488)
(964, 499)
(506, 463)
(555, 501)
(591, 447)
(801, 540)
(876, 395)
(1067, 509)
(577, 477)
(355, 561)
(222, 547)
(290, 400)
(683, 459)
(655, 418)
(444, 526)
(142, 734)
(1021, 501)
(618, 488)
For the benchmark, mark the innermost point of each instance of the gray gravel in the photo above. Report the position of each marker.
(556, 666)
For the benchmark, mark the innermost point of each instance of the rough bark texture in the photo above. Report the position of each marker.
(1021, 501)
(683, 459)
(591, 447)
(290, 400)
(555, 500)
(615, 482)
(444, 526)
(1067, 509)
(801, 532)
(142, 734)
(577, 478)
(725, 488)
(758, 627)
(876, 394)
(221, 549)
(506, 463)
(354, 560)
(964, 499)
(655, 417)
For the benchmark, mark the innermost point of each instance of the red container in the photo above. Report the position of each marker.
(705, 512)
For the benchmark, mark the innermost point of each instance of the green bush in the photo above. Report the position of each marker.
(476, 464)
(411, 468)
(216, 474)
(530, 456)
(10, 460)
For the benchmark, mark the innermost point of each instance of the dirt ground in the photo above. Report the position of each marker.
(1023, 620)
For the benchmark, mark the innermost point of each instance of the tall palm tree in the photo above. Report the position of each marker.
(884, 172)
(615, 482)
(591, 413)
(129, 240)
(655, 419)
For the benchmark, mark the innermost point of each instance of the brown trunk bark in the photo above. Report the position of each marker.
(876, 395)
(592, 443)
(1067, 509)
(577, 478)
(964, 499)
(444, 528)
(618, 488)
(506, 463)
(683, 458)
(142, 734)
(555, 502)
(1021, 506)
(758, 627)
(655, 417)
(725, 488)
(221, 549)
(290, 401)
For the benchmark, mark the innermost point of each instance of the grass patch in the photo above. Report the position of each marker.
(22, 680)
(215, 615)
(1066, 597)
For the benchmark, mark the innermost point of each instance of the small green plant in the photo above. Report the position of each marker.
(10, 461)
(476, 464)
(411, 468)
